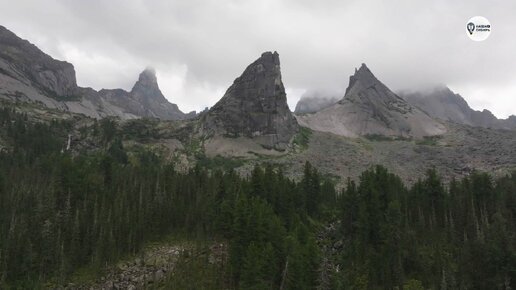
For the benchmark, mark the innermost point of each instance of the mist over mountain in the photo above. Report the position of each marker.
(444, 104)
(316, 100)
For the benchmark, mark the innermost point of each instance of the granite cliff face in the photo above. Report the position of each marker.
(22, 60)
(444, 104)
(28, 74)
(255, 106)
(370, 108)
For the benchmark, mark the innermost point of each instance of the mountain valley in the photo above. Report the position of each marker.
(116, 189)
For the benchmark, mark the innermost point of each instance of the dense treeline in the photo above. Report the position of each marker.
(61, 211)
(428, 236)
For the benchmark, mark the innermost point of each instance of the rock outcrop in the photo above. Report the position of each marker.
(370, 108)
(511, 121)
(255, 106)
(444, 104)
(28, 74)
(152, 266)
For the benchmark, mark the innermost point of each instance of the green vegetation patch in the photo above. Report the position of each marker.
(140, 129)
(302, 138)
(219, 162)
(383, 138)
(429, 140)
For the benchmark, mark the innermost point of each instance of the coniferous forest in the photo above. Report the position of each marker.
(60, 211)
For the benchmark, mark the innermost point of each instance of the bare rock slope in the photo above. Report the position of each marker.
(370, 108)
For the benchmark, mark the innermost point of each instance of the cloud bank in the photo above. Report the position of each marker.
(199, 47)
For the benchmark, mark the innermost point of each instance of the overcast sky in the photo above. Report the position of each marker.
(199, 47)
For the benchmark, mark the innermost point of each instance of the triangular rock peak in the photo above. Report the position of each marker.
(365, 88)
(364, 75)
(146, 89)
(147, 85)
(145, 99)
(371, 108)
(255, 106)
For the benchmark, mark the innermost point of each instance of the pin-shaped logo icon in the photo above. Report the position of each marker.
(478, 28)
(471, 28)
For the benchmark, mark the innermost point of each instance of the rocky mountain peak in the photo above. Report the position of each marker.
(440, 94)
(148, 75)
(370, 108)
(448, 96)
(272, 57)
(442, 103)
(361, 79)
(365, 87)
(264, 69)
(255, 106)
(147, 100)
(147, 85)
(28, 74)
(363, 72)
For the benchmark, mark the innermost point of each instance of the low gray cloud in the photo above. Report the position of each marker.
(199, 47)
(314, 100)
